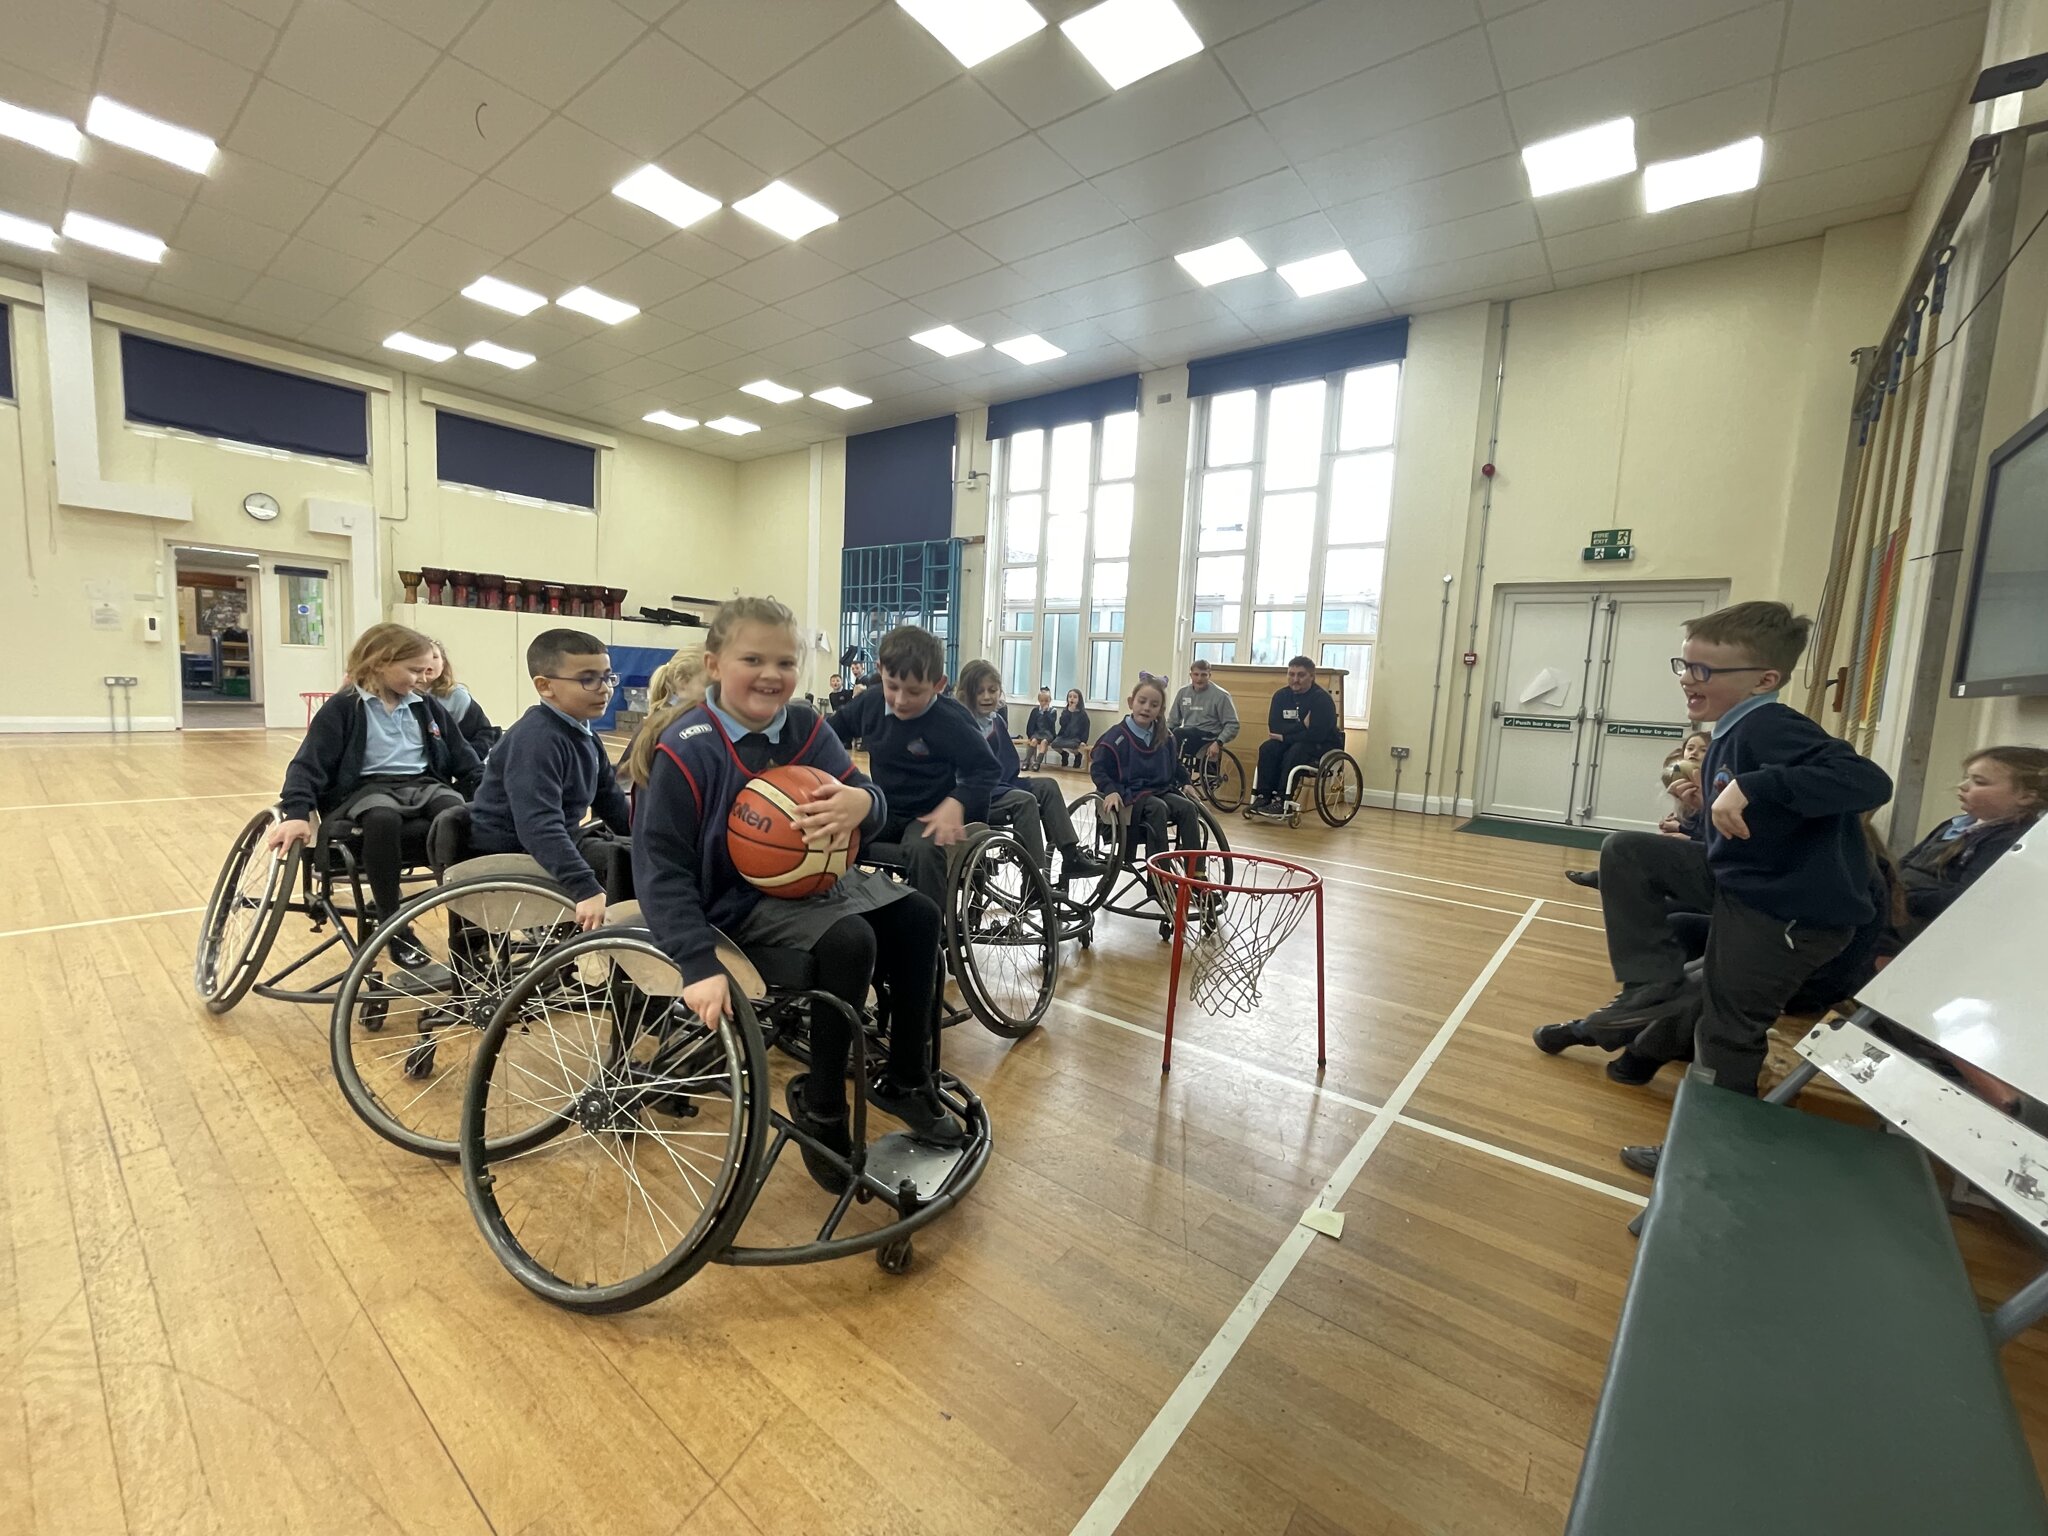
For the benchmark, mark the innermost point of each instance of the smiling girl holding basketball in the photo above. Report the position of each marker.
(691, 762)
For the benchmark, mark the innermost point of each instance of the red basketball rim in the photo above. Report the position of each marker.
(1171, 867)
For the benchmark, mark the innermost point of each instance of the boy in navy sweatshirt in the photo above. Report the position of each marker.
(924, 751)
(1780, 861)
(549, 768)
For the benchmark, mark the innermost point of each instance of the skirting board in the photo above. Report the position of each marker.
(22, 725)
(1435, 805)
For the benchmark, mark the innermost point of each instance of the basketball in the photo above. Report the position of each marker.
(762, 837)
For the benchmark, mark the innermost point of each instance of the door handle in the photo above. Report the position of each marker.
(1496, 709)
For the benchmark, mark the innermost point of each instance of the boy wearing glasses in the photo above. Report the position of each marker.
(1778, 858)
(549, 768)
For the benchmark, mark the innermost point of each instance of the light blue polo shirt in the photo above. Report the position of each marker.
(393, 747)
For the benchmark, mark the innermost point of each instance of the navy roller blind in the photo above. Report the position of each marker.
(500, 458)
(1084, 402)
(6, 353)
(167, 386)
(1306, 357)
(899, 484)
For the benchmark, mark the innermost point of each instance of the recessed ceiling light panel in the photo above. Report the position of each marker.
(16, 230)
(588, 301)
(1321, 274)
(845, 399)
(433, 351)
(733, 426)
(52, 135)
(108, 119)
(769, 390)
(788, 212)
(118, 238)
(1127, 40)
(1220, 262)
(1732, 168)
(654, 189)
(948, 341)
(491, 352)
(500, 294)
(1030, 349)
(973, 30)
(670, 420)
(1599, 153)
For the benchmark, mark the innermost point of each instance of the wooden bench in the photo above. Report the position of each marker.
(1800, 1351)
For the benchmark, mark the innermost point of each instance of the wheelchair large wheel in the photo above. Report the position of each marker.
(1340, 788)
(1101, 835)
(248, 904)
(1221, 783)
(1003, 936)
(610, 1139)
(404, 1030)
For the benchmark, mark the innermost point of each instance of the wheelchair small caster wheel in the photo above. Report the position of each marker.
(1165, 931)
(419, 1061)
(894, 1258)
(372, 1016)
(1294, 818)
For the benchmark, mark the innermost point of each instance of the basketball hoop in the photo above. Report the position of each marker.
(1242, 907)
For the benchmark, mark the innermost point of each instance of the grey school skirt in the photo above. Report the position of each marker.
(778, 924)
(421, 795)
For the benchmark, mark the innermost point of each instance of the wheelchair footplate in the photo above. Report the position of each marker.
(899, 1158)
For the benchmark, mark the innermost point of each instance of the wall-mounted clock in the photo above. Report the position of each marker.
(261, 506)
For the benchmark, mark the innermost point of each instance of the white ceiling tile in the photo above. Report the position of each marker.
(696, 254)
(1098, 255)
(640, 373)
(465, 116)
(218, 280)
(1877, 130)
(1703, 123)
(1474, 189)
(1296, 239)
(1844, 186)
(875, 234)
(155, 73)
(61, 41)
(1180, 309)
(1376, 101)
(814, 350)
(316, 267)
(33, 185)
(945, 260)
(1018, 172)
(405, 179)
(882, 63)
(761, 136)
(1217, 21)
(1495, 269)
(226, 237)
(739, 234)
(1821, 27)
(706, 307)
(1210, 162)
(565, 166)
(546, 49)
(400, 293)
(653, 98)
(125, 200)
(276, 299)
(750, 41)
(438, 22)
(1125, 290)
(884, 328)
(492, 215)
(223, 30)
(1466, 136)
(1558, 36)
(43, 93)
(762, 328)
(1650, 232)
(1043, 314)
(344, 223)
(1171, 347)
(593, 354)
(1808, 225)
(1162, 110)
(354, 62)
(990, 290)
(1318, 44)
(1722, 53)
(1206, 220)
(576, 252)
(1668, 256)
(297, 134)
(1495, 230)
(838, 183)
(1072, 213)
(956, 122)
(647, 280)
(1042, 79)
(439, 257)
(1606, 202)
(1900, 66)
(651, 11)
(781, 274)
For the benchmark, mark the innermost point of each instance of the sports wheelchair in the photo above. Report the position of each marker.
(613, 1143)
(1221, 782)
(1125, 886)
(1336, 788)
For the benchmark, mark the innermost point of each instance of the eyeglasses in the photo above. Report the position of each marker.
(1700, 672)
(589, 681)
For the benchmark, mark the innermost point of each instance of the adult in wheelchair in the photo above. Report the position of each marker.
(1327, 780)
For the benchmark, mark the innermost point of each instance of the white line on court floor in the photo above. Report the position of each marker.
(99, 922)
(1145, 1458)
(74, 805)
(1452, 901)
(1463, 885)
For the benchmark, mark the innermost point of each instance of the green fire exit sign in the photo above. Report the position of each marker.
(1611, 544)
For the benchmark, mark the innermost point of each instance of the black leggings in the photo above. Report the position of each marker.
(383, 832)
(898, 946)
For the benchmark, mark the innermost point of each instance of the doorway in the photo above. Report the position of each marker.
(1581, 704)
(220, 683)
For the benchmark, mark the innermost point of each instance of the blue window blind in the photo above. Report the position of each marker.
(501, 458)
(1306, 357)
(167, 386)
(899, 484)
(6, 353)
(1084, 402)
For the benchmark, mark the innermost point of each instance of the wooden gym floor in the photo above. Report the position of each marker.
(226, 1306)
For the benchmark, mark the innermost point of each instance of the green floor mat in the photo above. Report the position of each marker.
(1536, 832)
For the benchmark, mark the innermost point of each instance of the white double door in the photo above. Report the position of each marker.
(1581, 704)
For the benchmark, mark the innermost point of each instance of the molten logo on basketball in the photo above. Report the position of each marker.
(759, 820)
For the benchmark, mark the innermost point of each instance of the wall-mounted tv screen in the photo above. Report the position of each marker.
(2005, 622)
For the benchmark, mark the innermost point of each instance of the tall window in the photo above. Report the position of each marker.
(1065, 525)
(1290, 527)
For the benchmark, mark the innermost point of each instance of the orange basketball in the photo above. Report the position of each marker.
(763, 840)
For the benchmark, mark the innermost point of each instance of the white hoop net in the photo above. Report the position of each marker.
(1241, 909)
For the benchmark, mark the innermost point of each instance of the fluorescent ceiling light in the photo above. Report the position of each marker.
(769, 390)
(433, 351)
(1220, 262)
(948, 341)
(1321, 274)
(1127, 40)
(588, 301)
(785, 210)
(500, 294)
(845, 399)
(117, 238)
(973, 30)
(1733, 168)
(732, 426)
(670, 420)
(52, 135)
(658, 192)
(138, 131)
(1031, 349)
(1599, 153)
(491, 352)
(16, 230)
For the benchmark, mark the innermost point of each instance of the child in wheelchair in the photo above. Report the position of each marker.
(549, 768)
(1032, 808)
(383, 756)
(689, 764)
(461, 704)
(1137, 769)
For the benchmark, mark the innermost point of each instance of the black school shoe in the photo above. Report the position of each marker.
(830, 1130)
(1552, 1038)
(1643, 1160)
(919, 1109)
(1589, 878)
(406, 950)
(1631, 1070)
(1076, 863)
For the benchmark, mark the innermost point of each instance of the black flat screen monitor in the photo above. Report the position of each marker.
(2004, 650)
